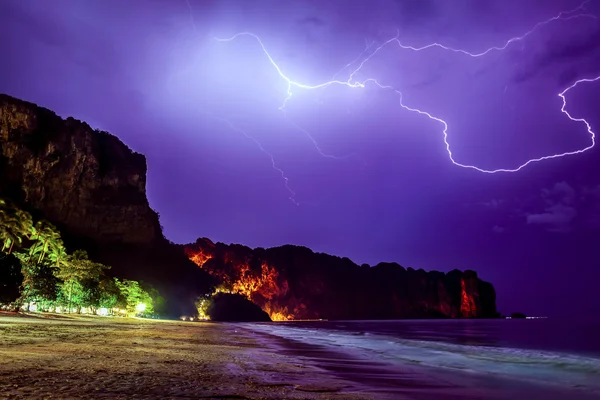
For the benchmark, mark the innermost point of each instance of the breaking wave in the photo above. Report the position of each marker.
(539, 366)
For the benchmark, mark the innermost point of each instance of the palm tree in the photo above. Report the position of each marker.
(8, 226)
(25, 222)
(58, 255)
(14, 225)
(47, 237)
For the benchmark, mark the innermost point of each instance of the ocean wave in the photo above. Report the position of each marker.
(532, 365)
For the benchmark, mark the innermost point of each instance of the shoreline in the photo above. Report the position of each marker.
(406, 380)
(69, 356)
(81, 357)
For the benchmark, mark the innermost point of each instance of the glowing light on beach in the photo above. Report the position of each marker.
(103, 312)
(140, 307)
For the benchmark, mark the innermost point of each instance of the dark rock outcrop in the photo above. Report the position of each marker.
(292, 282)
(93, 188)
(235, 308)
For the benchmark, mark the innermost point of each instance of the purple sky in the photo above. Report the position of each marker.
(150, 73)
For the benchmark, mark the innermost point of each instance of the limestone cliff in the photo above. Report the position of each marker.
(293, 282)
(93, 188)
(86, 180)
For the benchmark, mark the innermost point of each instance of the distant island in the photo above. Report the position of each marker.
(89, 189)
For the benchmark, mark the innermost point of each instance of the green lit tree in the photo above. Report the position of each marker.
(39, 284)
(158, 301)
(110, 295)
(137, 300)
(76, 271)
(46, 240)
(14, 225)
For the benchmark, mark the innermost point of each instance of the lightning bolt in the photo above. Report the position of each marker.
(261, 147)
(351, 83)
(314, 142)
(563, 15)
(189, 5)
(367, 47)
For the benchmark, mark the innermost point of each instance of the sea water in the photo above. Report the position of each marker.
(556, 354)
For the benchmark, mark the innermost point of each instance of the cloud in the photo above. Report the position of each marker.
(413, 12)
(71, 40)
(558, 217)
(591, 197)
(493, 204)
(498, 229)
(555, 52)
(559, 211)
(594, 191)
(561, 191)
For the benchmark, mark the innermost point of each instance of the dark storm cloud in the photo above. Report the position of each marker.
(142, 70)
(412, 12)
(498, 229)
(565, 206)
(47, 31)
(493, 204)
(590, 196)
(556, 51)
(557, 217)
(435, 77)
(78, 42)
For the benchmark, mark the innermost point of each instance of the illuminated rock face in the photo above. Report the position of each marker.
(292, 282)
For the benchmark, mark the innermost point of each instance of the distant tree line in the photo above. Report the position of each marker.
(38, 274)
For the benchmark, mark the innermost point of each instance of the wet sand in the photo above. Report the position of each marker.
(43, 357)
(408, 381)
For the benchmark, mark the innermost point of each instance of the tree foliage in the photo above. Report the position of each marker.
(10, 278)
(36, 269)
(135, 296)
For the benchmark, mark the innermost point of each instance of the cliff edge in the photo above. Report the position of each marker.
(86, 180)
(293, 282)
(93, 188)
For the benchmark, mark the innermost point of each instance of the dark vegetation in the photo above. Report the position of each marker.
(234, 307)
(92, 188)
(38, 274)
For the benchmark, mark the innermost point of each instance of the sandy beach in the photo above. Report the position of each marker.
(62, 357)
(72, 357)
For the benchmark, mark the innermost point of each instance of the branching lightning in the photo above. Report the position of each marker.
(261, 147)
(368, 53)
(319, 150)
(578, 12)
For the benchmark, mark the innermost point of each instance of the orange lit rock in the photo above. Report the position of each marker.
(292, 282)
